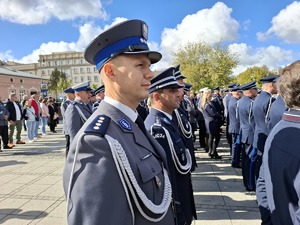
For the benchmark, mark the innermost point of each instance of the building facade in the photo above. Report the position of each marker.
(72, 64)
(19, 83)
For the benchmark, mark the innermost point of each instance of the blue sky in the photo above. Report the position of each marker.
(261, 32)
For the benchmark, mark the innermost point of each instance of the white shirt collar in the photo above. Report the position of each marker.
(125, 109)
(167, 114)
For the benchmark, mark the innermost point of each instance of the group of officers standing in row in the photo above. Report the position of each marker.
(139, 168)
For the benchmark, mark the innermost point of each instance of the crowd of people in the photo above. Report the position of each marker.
(130, 143)
(27, 115)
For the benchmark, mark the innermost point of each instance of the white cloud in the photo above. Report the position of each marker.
(207, 25)
(7, 56)
(40, 11)
(88, 32)
(285, 25)
(272, 56)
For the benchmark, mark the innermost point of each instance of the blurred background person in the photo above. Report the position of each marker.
(44, 115)
(29, 116)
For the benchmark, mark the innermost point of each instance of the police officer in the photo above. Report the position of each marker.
(99, 93)
(234, 126)
(261, 107)
(225, 104)
(115, 172)
(164, 98)
(278, 184)
(181, 118)
(69, 99)
(246, 133)
(79, 110)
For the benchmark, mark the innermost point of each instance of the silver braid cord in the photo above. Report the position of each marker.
(134, 188)
(186, 133)
(183, 169)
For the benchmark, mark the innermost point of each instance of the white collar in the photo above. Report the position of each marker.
(167, 114)
(123, 108)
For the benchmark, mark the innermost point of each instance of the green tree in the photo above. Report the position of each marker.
(205, 65)
(58, 82)
(253, 73)
(94, 86)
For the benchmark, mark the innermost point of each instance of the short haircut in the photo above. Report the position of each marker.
(289, 85)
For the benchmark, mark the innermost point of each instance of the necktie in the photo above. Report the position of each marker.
(139, 121)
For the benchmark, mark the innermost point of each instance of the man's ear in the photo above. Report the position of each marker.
(108, 70)
(156, 96)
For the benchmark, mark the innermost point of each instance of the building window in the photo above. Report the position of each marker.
(21, 81)
(55, 63)
(11, 80)
(49, 63)
(81, 70)
(88, 69)
(22, 93)
(76, 79)
(89, 78)
(43, 72)
(81, 61)
(82, 79)
(61, 62)
(75, 70)
(95, 70)
(74, 61)
(96, 78)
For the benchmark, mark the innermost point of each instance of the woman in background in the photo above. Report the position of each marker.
(45, 114)
(212, 123)
(30, 122)
(52, 120)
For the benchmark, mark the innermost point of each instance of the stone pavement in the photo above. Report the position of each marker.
(31, 186)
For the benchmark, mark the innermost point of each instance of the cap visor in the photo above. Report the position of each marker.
(152, 55)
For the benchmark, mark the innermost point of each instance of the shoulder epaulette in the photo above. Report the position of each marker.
(99, 125)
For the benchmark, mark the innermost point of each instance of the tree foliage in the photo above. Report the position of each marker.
(58, 82)
(204, 65)
(253, 73)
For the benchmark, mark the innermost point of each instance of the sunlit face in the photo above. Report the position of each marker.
(132, 78)
(170, 99)
(84, 96)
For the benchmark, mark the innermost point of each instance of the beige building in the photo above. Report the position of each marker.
(18, 82)
(72, 63)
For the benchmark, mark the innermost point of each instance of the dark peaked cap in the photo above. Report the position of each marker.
(269, 79)
(129, 37)
(177, 73)
(231, 85)
(248, 86)
(164, 80)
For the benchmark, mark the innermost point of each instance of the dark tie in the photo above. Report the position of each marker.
(139, 121)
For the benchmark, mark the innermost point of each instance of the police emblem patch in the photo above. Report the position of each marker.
(125, 124)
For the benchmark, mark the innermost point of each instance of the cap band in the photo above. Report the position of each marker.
(119, 47)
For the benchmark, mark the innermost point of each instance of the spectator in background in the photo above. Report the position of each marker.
(213, 121)
(53, 116)
(25, 98)
(15, 119)
(44, 115)
(4, 114)
(29, 116)
(36, 105)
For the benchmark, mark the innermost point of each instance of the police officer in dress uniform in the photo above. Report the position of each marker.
(99, 93)
(181, 118)
(79, 110)
(164, 98)
(116, 172)
(225, 104)
(69, 99)
(234, 126)
(261, 107)
(246, 133)
(276, 111)
(279, 181)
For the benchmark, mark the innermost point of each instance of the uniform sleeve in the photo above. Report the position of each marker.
(73, 121)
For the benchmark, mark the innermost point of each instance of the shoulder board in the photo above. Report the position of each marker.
(99, 125)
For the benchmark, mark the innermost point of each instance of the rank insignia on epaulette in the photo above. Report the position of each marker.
(125, 124)
(99, 125)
